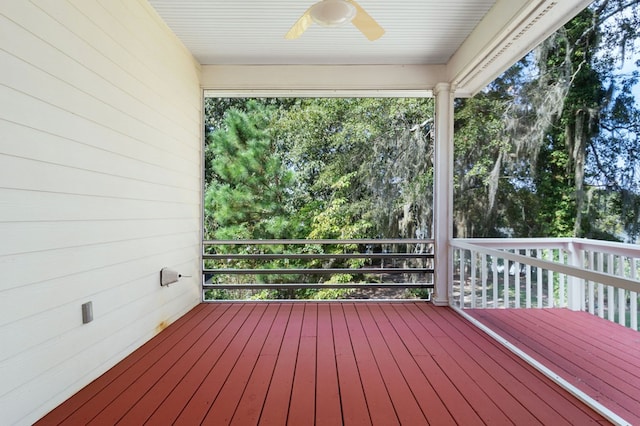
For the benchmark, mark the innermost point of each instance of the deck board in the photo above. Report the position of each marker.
(224, 406)
(499, 384)
(322, 363)
(327, 396)
(249, 407)
(201, 364)
(530, 388)
(81, 403)
(206, 394)
(407, 408)
(459, 368)
(162, 389)
(380, 405)
(396, 334)
(354, 404)
(592, 354)
(276, 406)
(413, 335)
(302, 402)
(146, 372)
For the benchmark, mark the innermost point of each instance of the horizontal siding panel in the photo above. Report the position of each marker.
(63, 273)
(36, 144)
(125, 305)
(106, 79)
(29, 332)
(165, 79)
(152, 43)
(55, 91)
(23, 206)
(33, 399)
(58, 122)
(48, 177)
(100, 187)
(29, 237)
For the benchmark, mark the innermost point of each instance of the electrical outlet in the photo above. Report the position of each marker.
(87, 312)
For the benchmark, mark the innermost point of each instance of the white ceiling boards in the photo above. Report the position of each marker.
(462, 42)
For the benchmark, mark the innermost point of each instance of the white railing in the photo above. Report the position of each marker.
(598, 277)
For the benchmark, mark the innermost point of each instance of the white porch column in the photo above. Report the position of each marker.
(443, 194)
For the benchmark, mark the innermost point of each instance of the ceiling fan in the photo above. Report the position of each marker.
(332, 13)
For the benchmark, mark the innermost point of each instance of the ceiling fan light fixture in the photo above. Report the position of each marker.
(332, 13)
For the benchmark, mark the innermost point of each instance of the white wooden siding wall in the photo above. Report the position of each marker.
(100, 124)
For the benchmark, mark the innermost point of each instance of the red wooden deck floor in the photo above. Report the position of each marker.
(325, 364)
(597, 356)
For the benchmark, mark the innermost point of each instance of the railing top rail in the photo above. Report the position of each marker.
(321, 241)
(622, 249)
(532, 243)
(598, 277)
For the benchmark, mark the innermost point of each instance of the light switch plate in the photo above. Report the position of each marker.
(87, 312)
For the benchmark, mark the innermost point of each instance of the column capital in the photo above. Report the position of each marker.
(441, 88)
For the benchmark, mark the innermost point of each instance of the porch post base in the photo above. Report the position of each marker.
(440, 302)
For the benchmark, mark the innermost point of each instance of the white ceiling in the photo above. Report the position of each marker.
(463, 42)
(252, 31)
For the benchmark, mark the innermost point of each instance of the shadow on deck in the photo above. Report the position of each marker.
(322, 363)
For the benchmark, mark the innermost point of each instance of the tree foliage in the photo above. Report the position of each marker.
(560, 159)
(548, 149)
(248, 188)
(363, 166)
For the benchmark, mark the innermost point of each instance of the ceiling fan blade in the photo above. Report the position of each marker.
(300, 26)
(365, 23)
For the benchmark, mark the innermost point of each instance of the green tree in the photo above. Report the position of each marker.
(590, 145)
(248, 190)
(362, 162)
(480, 144)
(554, 139)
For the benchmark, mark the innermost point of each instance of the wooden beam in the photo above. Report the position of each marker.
(321, 80)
